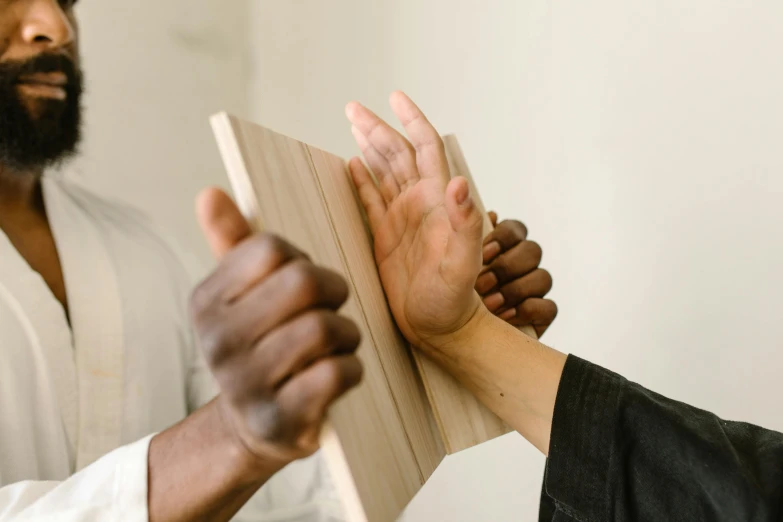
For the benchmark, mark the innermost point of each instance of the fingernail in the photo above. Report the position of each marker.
(491, 251)
(494, 302)
(508, 314)
(486, 282)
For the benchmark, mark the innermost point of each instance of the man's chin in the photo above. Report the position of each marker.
(40, 108)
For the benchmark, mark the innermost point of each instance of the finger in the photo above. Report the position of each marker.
(290, 348)
(535, 284)
(304, 400)
(462, 261)
(393, 146)
(290, 291)
(430, 151)
(536, 312)
(503, 237)
(486, 283)
(493, 218)
(380, 167)
(362, 123)
(221, 221)
(369, 195)
(242, 268)
(520, 260)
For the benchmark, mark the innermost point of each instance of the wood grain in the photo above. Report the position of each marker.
(365, 444)
(386, 438)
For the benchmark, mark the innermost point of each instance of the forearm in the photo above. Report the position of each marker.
(515, 376)
(198, 471)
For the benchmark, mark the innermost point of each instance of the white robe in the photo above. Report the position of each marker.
(79, 405)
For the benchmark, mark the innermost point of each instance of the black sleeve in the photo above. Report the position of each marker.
(619, 452)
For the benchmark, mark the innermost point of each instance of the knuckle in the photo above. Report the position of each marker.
(346, 335)
(535, 251)
(354, 334)
(401, 152)
(358, 373)
(514, 292)
(330, 375)
(553, 310)
(304, 281)
(434, 140)
(269, 247)
(540, 311)
(342, 289)
(440, 145)
(517, 231)
(546, 278)
(501, 268)
(341, 374)
(318, 329)
(216, 342)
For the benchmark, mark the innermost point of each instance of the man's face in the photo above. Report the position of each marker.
(40, 83)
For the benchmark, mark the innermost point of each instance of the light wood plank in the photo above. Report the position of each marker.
(463, 420)
(387, 437)
(356, 243)
(276, 185)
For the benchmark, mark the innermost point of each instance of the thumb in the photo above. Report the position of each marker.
(464, 252)
(221, 221)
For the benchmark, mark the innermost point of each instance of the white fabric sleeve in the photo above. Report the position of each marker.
(112, 489)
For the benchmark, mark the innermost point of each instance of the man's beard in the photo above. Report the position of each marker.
(44, 131)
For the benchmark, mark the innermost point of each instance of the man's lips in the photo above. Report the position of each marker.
(55, 79)
(44, 85)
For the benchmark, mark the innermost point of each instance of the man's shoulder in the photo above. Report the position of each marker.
(127, 230)
(104, 209)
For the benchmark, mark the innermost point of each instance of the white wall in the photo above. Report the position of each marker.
(640, 141)
(155, 73)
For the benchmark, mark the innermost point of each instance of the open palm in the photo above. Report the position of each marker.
(428, 232)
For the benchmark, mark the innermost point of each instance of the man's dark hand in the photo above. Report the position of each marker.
(511, 284)
(268, 324)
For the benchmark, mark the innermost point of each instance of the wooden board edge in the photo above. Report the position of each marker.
(225, 132)
(337, 463)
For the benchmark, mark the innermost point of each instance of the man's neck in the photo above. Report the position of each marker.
(20, 193)
(24, 221)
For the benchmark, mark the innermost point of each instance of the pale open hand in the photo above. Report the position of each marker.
(428, 231)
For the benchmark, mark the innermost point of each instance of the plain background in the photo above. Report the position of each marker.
(639, 141)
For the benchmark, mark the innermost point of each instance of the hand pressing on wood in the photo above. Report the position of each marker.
(511, 283)
(269, 327)
(428, 231)
(428, 247)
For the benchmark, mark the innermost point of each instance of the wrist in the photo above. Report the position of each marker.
(198, 467)
(251, 467)
(460, 342)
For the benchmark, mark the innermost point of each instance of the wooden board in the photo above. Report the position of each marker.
(385, 439)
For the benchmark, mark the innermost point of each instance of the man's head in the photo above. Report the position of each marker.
(40, 83)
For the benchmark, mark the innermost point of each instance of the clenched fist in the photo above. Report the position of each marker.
(512, 284)
(268, 324)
